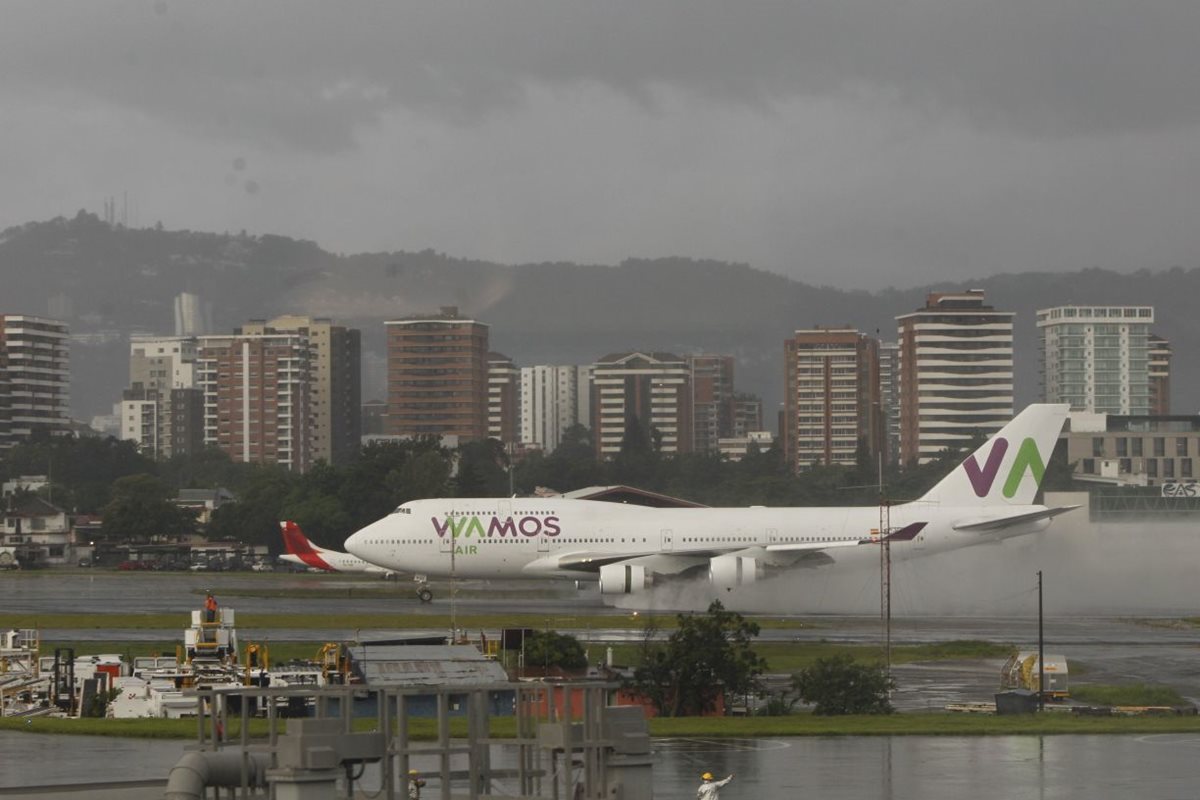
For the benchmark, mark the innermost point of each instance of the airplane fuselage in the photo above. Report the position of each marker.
(495, 538)
(340, 562)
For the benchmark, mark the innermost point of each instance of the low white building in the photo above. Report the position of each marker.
(38, 532)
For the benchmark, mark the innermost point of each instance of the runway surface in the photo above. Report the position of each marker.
(1101, 648)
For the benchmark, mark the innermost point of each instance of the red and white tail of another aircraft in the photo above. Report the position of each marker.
(987, 498)
(303, 552)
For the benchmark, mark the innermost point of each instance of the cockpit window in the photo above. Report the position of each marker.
(402, 510)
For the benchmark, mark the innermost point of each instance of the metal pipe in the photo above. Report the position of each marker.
(197, 770)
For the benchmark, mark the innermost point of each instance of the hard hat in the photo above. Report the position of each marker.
(413, 772)
(706, 776)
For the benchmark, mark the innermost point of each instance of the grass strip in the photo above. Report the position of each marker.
(918, 724)
(1137, 694)
(782, 657)
(441, 622)
(467, 621)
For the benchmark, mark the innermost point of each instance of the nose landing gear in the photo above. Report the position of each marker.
(424, 593)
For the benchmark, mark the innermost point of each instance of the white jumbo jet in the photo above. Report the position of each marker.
(988, 497)
(303, 552)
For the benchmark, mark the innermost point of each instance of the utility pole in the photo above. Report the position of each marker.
(1041, 651)
(509, 454)
(885, 571)
(453, 615)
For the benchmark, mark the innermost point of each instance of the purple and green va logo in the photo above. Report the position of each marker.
(1028, 458)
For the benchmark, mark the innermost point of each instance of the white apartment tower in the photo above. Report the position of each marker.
(504, 385)
(162, 369)
(889, 398)
(956, 373)
(652, 390)
(34, 377)
(552, 400)
(1097, 358)
(193, 316)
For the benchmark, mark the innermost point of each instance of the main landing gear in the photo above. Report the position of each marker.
(424, 593)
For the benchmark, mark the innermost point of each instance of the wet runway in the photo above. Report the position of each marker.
(1102, 649)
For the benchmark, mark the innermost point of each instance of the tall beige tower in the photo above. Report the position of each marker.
(437, 372)
(256, 397)
(335, 396)
(831, 397)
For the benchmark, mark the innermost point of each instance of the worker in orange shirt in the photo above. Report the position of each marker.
(210, 608)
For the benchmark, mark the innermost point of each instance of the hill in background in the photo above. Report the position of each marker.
(109, 282)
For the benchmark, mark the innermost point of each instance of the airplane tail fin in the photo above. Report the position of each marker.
(300, 548)
(1008, 468)
(294, 540)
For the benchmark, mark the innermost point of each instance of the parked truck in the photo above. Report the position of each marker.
(1021, 671)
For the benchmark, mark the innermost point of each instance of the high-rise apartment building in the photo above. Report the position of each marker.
(712, 400)
(34, 378)
(1096, 357)
(956, 373)
(162, 410)
(652, 390)
(889, 398)
(437, 376)
(831, 401)
(1160, 376)
(336, 391)
(257, 390)
(193, 316)
(747, 414)
(550, 403)
(504, 386)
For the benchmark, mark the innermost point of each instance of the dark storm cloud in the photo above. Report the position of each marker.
(310, 74)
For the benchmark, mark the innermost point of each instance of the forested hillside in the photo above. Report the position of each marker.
(108, 282)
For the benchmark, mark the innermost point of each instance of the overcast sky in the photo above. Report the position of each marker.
(854, 144)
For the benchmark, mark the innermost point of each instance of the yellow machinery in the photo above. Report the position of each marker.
(257, 659)
(335, 663)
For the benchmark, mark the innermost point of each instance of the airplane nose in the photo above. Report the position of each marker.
(356, 541)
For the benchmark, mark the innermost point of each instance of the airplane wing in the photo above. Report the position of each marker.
(905, 534)
(584, 561)
(1000, 523)
(674, 563)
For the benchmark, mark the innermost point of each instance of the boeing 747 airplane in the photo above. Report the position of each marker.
(988, 497)
(303, 552)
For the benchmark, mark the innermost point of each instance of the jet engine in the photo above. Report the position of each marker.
(729, 572)
(623, 579)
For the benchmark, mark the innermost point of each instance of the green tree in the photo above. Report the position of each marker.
(638, 461)
(142, 509)
(481, 470)
(553, 649)
(425, 475)
(708, 655)
(840, 685)
(254, 518)
(572, 465)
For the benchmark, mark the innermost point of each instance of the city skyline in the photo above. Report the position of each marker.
(704, 404)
